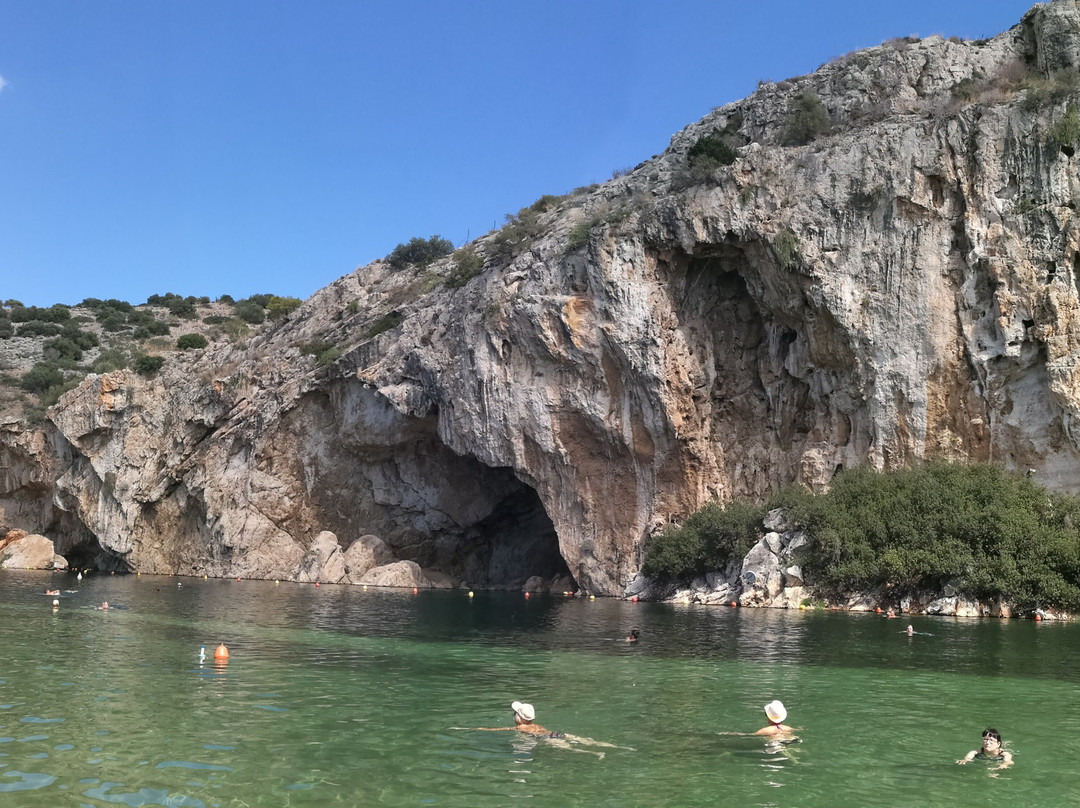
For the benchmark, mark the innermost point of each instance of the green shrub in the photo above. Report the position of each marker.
(708, 539)
(324, 352)
(710, 152)
(41, 377)
(786, 247)
(250, 312)
(61, 348)
(992, 534)
(466, 264)
(7, 328)
(146, 365)
(578, 236)
(989, 533)
(1066, 130)
(111, 359)
(352, 306)
(39, 328)
(516, 236)
(419, 252)
(278, 307)
(385, 323)
(56, 313)
(807, 118)
(188, 341)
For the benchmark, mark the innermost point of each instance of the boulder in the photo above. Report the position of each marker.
(403, 574)
(323, 561)
(22, 550)
(365, 554)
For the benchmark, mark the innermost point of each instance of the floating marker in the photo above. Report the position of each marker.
(414, 590)
(470, 594)
(526, 596)
(732, 604)
(317, 586)
(633, 599)
(592, 597)
(221, 653)
(56, 604)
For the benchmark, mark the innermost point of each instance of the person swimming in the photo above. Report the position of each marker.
(992, 749)
(634, 634)
(776, 713)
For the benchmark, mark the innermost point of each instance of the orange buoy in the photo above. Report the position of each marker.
(316, 584)
(633, 599)
(732, 604)
(221, 653)
(877, 610)
(526, 596)
(415, 590)
(1038, 618)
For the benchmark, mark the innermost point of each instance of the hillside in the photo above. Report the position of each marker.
(874, 264)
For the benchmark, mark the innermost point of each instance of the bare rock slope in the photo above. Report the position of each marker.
(899, 283)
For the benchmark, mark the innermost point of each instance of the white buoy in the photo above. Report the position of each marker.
(79, 578)
(202, 653)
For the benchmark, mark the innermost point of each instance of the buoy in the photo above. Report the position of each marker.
(732, 604)
(877, 610)
(275, 582)
(365, 588)
(79, 577)
(414, 590)
(204, 577)
(317, 586)
(238, 580)
(178, 584)
(221, 653)
(1038, 618)
(56, 604)
(470, 594)
(526, 596)
(592, 597)
(138, 574)
(633, 599)
(202, 653)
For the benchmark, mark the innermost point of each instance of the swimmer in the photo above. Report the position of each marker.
(776, 713)
(634, 634)
(909, 630)
(890, 613)
(525, 721)
(104, 607)
(991, 750)
(52, 591)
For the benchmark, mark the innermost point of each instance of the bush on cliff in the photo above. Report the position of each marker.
(987, 532)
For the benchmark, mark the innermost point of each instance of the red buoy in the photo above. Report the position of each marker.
(221, 653)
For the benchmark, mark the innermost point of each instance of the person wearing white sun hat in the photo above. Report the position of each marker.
(776, 713)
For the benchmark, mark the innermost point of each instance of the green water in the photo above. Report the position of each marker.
(339, 696)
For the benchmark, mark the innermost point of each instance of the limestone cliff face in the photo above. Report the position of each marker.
(904, 285)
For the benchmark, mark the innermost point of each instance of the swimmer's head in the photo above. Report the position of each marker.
(523, 713)
(775, 712)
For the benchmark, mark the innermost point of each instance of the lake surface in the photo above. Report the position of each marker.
(340, 696)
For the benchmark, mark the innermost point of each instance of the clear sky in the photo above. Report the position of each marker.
(209, 147)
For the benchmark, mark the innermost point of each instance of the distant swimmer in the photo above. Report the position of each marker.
(909, 630)
(52, 591)
(104, 607)
(890, 613)
(634, 634)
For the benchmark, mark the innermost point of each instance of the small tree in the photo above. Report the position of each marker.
(146, 365)
(278, 307)
(187, 341)
(419, 252)
(807, 118)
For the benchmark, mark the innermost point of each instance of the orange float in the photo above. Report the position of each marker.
(221, 653)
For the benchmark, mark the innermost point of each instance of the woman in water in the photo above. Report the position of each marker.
(776, 713)
(991, 750)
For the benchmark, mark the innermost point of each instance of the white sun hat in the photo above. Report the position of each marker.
(775, 712)
(523, 711)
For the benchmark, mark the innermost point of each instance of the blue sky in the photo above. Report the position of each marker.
(209, 147)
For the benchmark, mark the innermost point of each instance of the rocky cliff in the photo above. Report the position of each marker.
(885, 268)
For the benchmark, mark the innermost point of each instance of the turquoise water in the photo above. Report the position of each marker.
(339, 696)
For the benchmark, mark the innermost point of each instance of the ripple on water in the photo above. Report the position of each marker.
(142, 797)
(26, 781)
